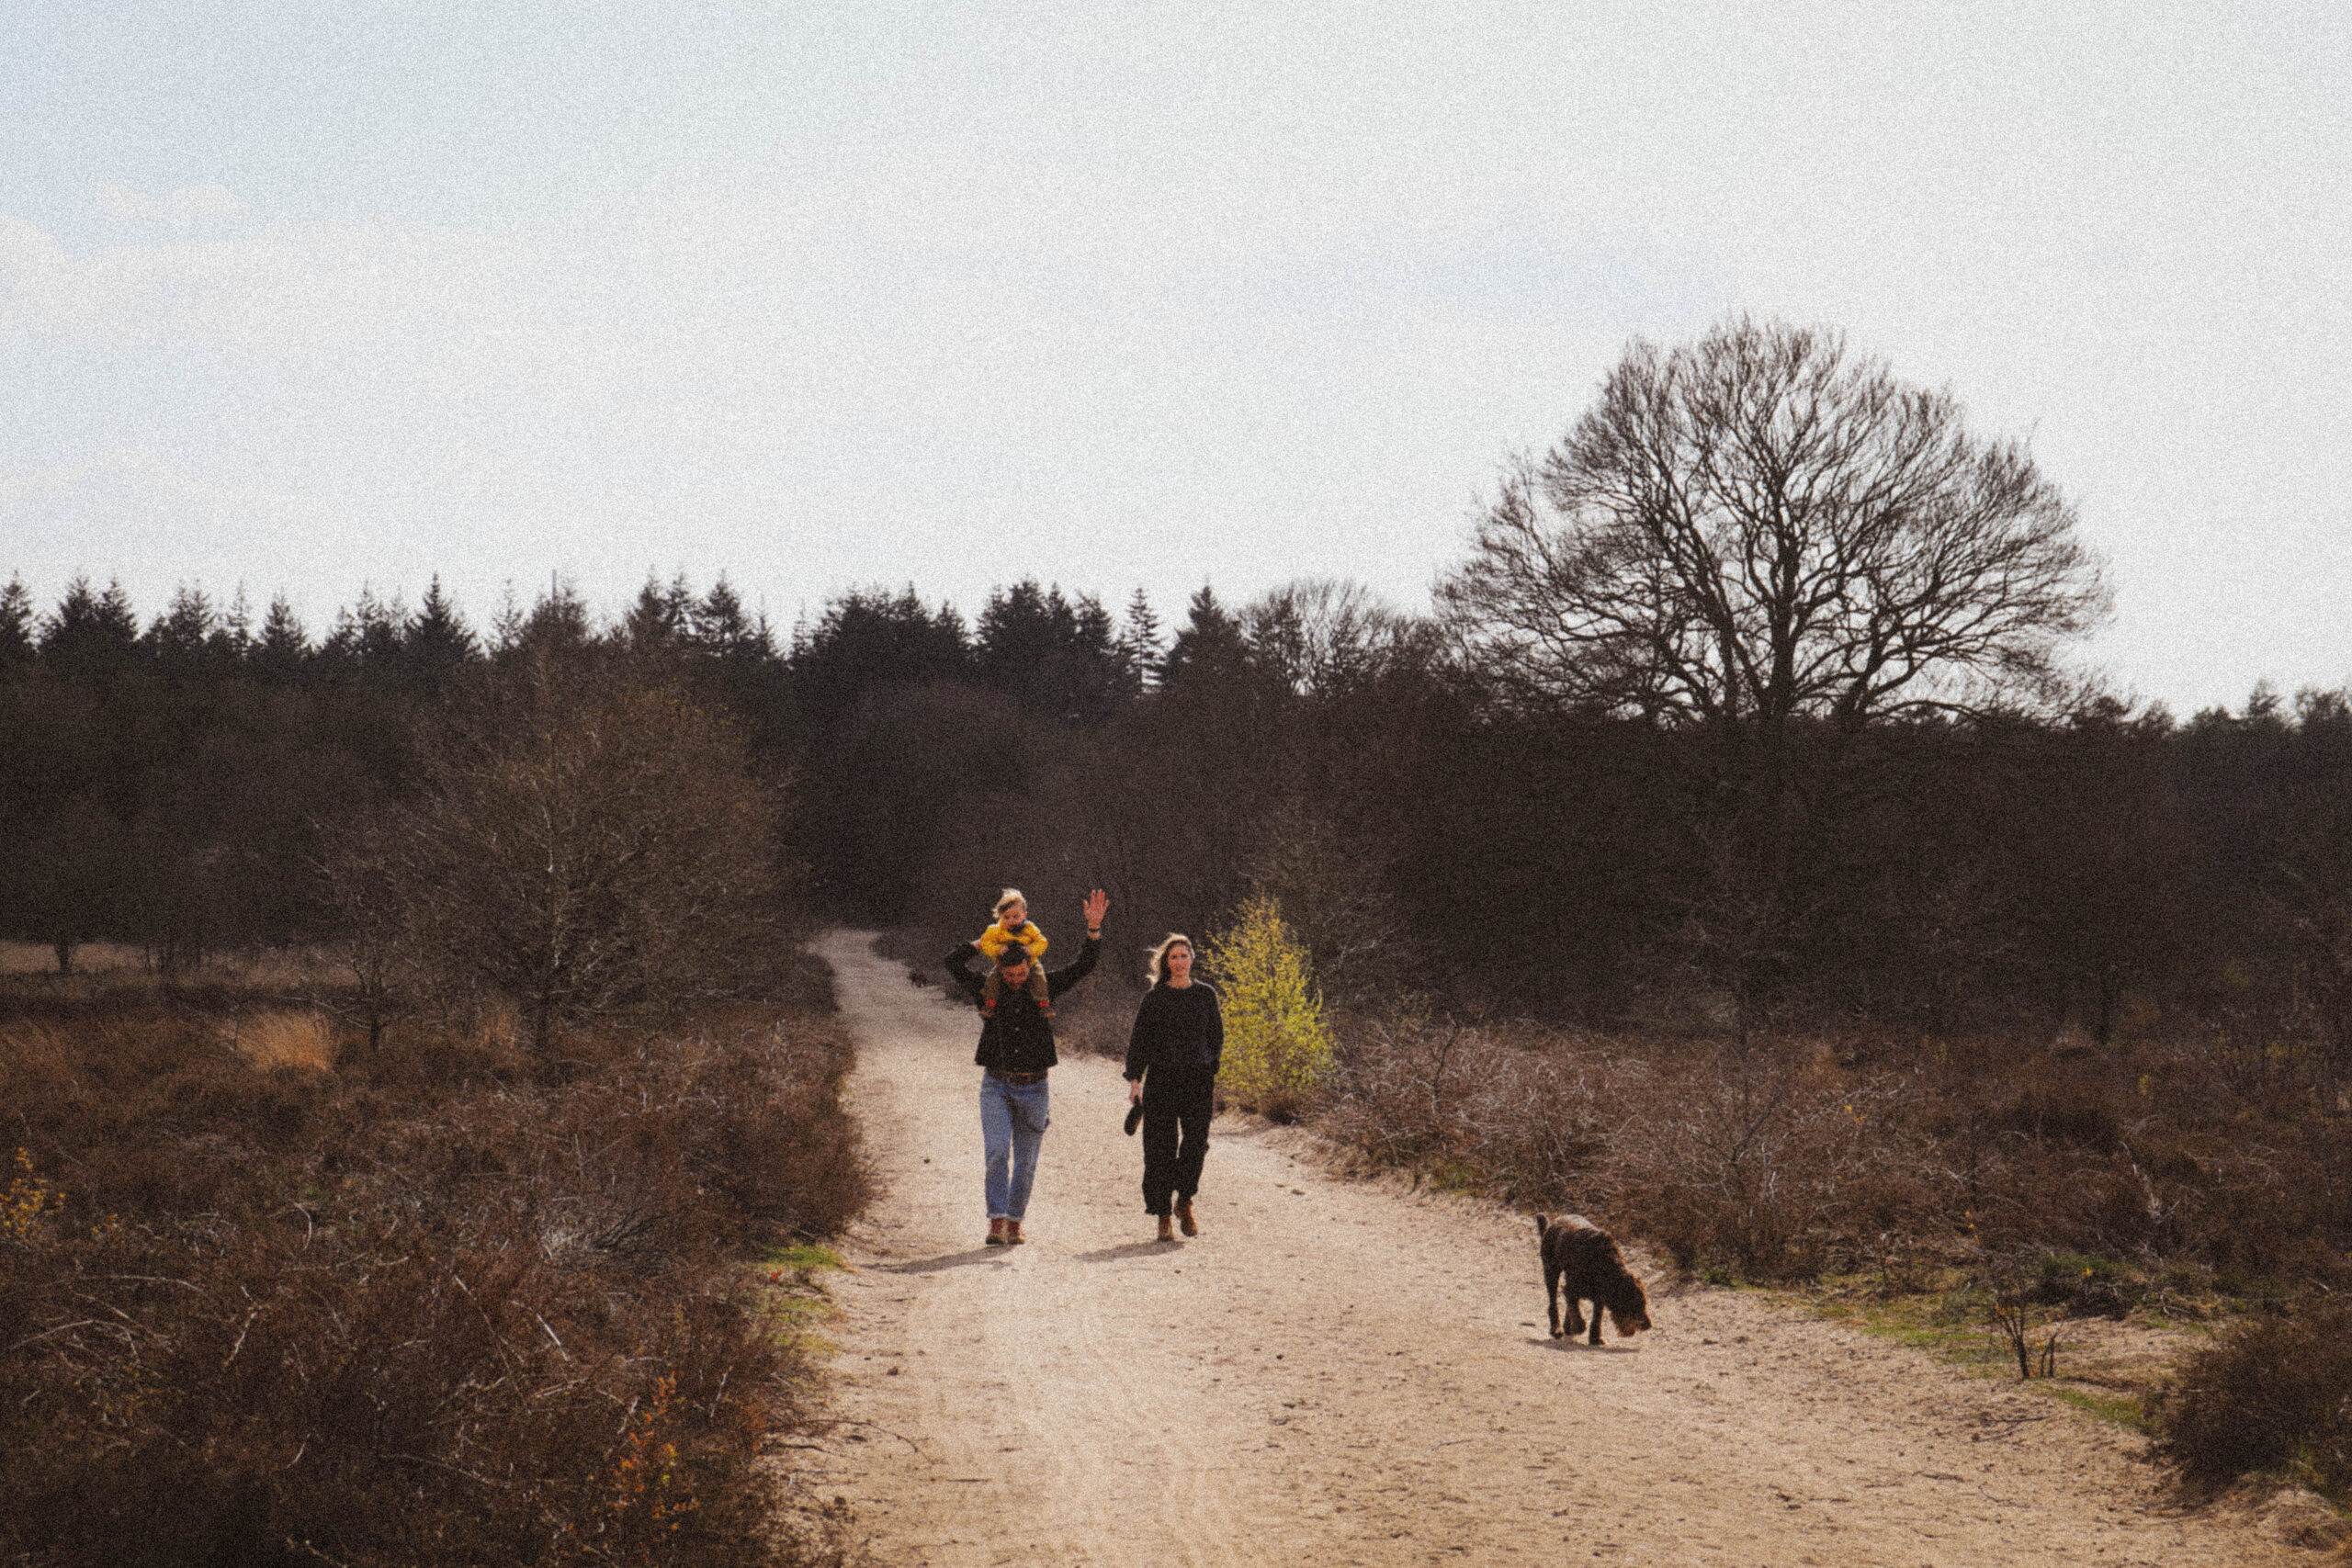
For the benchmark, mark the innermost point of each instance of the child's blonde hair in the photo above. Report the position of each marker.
(1006, 899)
(1156, 970)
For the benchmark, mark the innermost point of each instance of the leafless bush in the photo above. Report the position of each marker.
(2019, 1312)
(1333, 890)
(1519, 1108)
(1776, 1164)
(2274, 1396)
(586, 844)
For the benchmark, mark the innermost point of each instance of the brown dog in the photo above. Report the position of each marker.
(1586, 1257)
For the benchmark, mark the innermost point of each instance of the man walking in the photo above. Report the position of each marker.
(1015, 1054)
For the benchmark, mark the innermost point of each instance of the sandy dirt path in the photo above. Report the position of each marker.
(1341, 1372)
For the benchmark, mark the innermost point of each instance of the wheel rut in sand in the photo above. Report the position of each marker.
(1337, 1372)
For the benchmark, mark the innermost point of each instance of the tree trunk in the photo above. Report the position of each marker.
(2103, 1027)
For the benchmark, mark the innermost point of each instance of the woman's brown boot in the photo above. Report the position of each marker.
(996, 1230)
(1184, 1216)
(1167, 1228)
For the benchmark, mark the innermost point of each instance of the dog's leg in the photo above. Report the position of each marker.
(1575, 1318)
(1596, 1321)
(1552, 1296)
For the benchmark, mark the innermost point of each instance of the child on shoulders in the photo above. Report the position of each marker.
(1013, 926)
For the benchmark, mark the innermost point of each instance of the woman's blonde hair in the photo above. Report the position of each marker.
(1011, 896)
(1156, 968)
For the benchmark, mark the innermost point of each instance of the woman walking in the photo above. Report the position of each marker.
(1172, 1058)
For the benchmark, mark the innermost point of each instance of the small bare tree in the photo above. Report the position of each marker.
(585, 839)
(2010, 1309)
(1763, 534)
(368, 885)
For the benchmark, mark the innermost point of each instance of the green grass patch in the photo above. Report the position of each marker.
(1949, 1325)
(806, 1258)
(2123, 1409)
(1952, 1326)
(791, 1300)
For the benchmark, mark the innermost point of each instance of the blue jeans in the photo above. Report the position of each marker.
(1013, 1123)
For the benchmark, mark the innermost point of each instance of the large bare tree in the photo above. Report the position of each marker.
(1764, 524)
(1760, 533)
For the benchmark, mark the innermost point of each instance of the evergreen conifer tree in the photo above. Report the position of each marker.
(181, 636)
(90, 634)
(662, 616)
(506, 626)
(867, 639)
(558, 622)
(283, 647)
(1211, 643)
(1139, 641)
(724, 630)
(437, 639)
(16, 623)
(232, 639)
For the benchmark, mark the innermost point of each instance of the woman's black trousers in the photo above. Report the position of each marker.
(1176, 1113)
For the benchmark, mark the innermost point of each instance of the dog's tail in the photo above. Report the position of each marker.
(1543, 1225)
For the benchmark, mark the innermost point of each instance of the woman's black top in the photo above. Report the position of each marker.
(1179, 1030)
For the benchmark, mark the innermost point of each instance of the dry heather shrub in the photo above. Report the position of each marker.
(495, 1028)
(1518, 1109)
(1765, 1165)
(2162, 1153)
(1773, 1163)
(416, 1395)
(2273, 1397)
(384, 1317)
(304, 1042)
(1794, 1158)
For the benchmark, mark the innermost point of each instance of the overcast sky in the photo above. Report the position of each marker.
(302, 297)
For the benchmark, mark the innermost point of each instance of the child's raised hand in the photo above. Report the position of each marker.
(1098, 903)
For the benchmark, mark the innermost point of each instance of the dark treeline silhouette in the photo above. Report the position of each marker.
(1744, 708)
(165, 785)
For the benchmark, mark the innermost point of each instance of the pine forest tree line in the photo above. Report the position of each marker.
(164, 783)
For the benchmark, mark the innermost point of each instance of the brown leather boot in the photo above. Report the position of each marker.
(1013, 1237)
(1167, 1228)
(995, 1232)
(1184, 1216)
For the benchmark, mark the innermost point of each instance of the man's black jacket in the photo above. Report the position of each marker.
(1017, 1038)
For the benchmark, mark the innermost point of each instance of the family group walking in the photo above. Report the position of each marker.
(1173, 1053)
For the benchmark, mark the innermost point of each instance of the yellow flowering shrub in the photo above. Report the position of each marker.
(1278, 1048)
(29, 1204)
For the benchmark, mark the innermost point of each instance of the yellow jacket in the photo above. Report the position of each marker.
(996, 939)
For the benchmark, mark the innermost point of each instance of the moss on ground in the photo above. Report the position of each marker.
(1953, 1322)
(792, 1297)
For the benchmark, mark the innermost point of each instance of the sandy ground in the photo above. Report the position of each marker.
(1344, 1372)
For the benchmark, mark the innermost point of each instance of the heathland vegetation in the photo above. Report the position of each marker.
(440, 1238)
(1730, 855)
